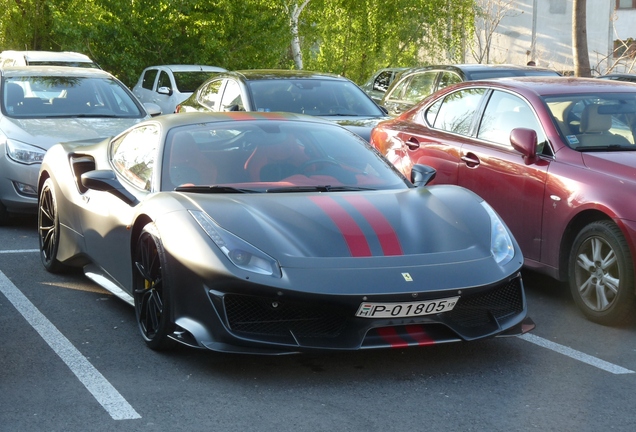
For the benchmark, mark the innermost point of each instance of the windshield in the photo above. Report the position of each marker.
(60, 96)
(312, 96)
(188, 82)
(64, 63)
(592, 122)
(272, 156)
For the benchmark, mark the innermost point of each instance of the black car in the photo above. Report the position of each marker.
(273, 233)
(329, 96)
(628, 77)
(413, 85)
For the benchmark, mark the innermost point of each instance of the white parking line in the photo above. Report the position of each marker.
(93, 380)
(577, 355)
(19, 251)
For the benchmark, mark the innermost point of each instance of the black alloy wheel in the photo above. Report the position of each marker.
(151, 291)
(602, 274)
(49, 228)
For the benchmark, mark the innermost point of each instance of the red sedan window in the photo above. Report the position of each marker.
(458, 110)
(504, 113)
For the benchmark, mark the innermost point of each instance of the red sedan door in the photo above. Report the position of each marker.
(495, 171)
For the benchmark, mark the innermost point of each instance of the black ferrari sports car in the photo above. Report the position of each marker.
(277, 233)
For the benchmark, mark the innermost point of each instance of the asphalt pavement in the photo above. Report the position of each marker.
(71, 359)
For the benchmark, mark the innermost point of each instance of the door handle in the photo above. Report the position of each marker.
(412, 143)
(471, 160)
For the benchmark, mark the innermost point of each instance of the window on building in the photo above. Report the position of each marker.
(625, 4)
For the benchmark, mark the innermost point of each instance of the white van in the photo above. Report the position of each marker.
(45, 58)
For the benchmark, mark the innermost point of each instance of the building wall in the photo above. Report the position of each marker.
(552, 24)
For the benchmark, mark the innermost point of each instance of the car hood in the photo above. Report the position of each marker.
(44, 132)
(443, 223)
(619, 164)
(361, 126)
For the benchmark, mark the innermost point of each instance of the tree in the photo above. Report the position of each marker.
(348, 37)
(294, 10)
(488, 16)
(356, 37)
(579, 39)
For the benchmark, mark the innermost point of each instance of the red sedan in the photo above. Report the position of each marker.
(556, 158)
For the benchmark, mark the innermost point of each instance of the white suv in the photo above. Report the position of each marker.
(169, 85)
(45, 58)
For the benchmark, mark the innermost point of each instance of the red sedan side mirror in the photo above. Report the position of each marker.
(525, 142)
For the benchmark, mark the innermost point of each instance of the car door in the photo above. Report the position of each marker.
(164, 93)
(393, 99)
(232, 99)
(435, 135)
(410, 92)
(380, 85)
(106, 218)
(146, 90)
(495, 171)
(209, 96)
(447, 78)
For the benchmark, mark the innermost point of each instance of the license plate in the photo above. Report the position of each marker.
(406, 309)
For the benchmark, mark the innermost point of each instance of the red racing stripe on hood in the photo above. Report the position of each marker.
(353, 235)
(386, 234)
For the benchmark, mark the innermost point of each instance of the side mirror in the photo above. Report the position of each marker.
(152, 109)
(106, 181)
(525, 142)
(165, 91)
(421, 175)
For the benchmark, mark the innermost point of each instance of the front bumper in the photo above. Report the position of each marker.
(274, 324)
(11, 174)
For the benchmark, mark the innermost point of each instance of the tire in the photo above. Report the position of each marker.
(49, 228)
(601, 274)
(151, 291)
(4, 215)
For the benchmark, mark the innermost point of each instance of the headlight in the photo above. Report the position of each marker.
(500, 242)
(24, 153)
(241, 253)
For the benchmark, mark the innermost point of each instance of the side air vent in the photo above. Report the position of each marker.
(81, 164)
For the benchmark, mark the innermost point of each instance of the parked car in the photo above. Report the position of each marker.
(45, 58)
(274, 233)
(380, 81)
(628, 77)
(413, 85)
(314, 93)
(169, 85)
(44, 105)
(556, 158)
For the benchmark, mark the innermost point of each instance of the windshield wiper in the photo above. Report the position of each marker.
(213, 189)
(320, 188)
(611, 147)
(82, 116)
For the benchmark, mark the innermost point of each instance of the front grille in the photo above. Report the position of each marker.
(482, 308)
(267, 317)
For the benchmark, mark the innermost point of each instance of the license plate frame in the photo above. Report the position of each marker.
(376, 310)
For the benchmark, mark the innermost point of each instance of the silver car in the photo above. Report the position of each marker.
(169, 85)
(41, 106)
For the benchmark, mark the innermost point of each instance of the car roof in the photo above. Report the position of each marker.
(548, 85)
(189, 68)
(467, 69)
(49, 55)
(26, 71)
(263, 74)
